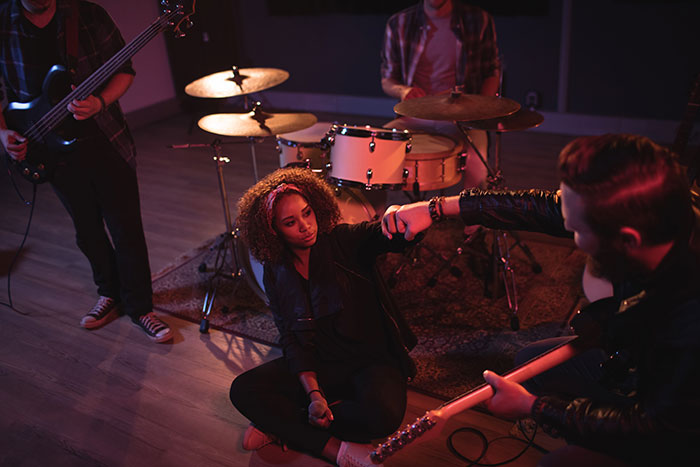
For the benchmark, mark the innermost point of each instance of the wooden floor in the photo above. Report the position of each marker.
(72, 397)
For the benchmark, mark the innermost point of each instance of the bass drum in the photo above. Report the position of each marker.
(354, 209)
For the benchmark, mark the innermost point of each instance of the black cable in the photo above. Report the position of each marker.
(529, 442)
(21, 246)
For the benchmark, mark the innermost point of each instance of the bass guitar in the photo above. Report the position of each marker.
(431, 424)
(39, 121)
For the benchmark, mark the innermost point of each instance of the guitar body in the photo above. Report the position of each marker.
(46, 121)
(43, 152)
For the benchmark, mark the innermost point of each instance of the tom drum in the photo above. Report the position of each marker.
(434, 163)
(368, 157)
(305, 148)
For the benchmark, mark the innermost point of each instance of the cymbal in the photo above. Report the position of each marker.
(255, 123)
(236, 82)
(457, 107)
(520, 120)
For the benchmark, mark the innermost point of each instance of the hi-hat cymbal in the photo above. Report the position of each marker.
(255, 123)
(236, 82)
(457, 107)
(520, 120)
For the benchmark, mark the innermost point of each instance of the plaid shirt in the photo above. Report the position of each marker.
(99, 40)
(477, 52)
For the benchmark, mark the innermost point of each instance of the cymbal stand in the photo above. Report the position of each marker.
(225, 244)
(502, 271)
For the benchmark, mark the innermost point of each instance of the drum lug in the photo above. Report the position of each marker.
(462, 162)
(368, 185)
(372, 145)
(405, 176)
(279, 149)
(329, 166)
(409, 145)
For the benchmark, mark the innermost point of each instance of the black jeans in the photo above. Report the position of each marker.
(367, 403)
(98, 187)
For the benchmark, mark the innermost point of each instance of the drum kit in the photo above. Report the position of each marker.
(353, 159)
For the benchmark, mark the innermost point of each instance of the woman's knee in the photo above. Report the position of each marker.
(385, 418)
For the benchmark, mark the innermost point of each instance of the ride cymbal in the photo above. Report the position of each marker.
(520, 120)
(236, 82)
(457, 107)
(255, 123)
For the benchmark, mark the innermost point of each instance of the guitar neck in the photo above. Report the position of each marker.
(434, 420)
(59, 111)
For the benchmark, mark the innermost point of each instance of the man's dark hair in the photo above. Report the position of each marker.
(628, 180)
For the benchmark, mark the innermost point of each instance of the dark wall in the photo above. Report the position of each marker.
(628, 58)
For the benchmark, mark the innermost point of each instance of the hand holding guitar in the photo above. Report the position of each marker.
(82, 110)
(14, 143)
(510, 399)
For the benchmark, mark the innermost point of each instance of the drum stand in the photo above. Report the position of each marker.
(225, 245)
(501, 269)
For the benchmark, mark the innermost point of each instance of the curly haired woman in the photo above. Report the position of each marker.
(342, 379)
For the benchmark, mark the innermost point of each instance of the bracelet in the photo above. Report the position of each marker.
(102, 101)
(435, 208)
(315, 390)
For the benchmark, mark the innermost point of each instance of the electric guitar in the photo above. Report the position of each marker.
(40, 120)
(431, 424)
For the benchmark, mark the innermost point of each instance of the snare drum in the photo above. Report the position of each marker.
(434, 163)
(368, 157)
(305, 148)
(354, 208)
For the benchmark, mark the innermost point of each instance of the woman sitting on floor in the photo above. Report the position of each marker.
(342, 379)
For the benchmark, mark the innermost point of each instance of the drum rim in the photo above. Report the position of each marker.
(389, 134)
(376, 186)
(322, 144)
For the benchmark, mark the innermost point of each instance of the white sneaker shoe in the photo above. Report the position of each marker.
(355, 455)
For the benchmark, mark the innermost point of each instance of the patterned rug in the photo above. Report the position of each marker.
(461, 330)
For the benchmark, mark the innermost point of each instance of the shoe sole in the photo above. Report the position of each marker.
(109, 317)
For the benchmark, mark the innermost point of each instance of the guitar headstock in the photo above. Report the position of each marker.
(179, 14)
(410, 433)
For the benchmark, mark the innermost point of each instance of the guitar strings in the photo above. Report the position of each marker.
(58, 112)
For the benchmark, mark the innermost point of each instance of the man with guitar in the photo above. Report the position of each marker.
(628, 204)
(96, 179)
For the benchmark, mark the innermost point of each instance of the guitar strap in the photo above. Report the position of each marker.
(71, 33)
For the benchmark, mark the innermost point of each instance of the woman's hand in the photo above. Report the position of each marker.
(319, 413)
(410, 220)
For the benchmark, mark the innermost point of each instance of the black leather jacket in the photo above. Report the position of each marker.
(651, 327)
(342, 275)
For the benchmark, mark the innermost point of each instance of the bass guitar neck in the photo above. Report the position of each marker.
(432, 422)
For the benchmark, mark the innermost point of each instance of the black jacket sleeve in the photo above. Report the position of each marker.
(530, 210)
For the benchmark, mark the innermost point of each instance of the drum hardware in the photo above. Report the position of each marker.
(502, 271)
(225, 245)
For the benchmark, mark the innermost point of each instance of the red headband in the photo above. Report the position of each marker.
(272, 198)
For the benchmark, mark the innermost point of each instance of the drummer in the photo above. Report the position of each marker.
(434, 47)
